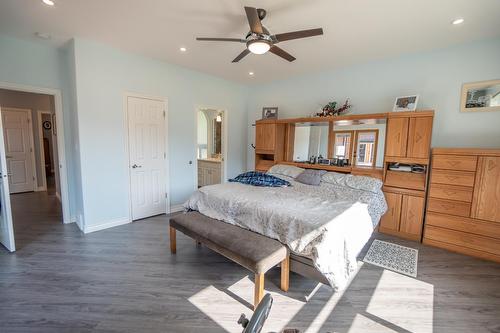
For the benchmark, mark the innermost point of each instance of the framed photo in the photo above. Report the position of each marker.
(480, 96)
(269, 113)
(406, 103)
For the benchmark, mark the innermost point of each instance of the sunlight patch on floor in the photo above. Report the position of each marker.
(224, 307)
(393, 300)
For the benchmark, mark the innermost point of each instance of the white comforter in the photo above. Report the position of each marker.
(328, 223)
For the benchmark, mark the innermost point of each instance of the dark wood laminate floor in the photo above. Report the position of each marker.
(125, 280)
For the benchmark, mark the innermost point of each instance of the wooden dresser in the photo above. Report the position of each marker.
(408, 141)
(463, 205)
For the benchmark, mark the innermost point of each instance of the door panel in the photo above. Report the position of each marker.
(419, 137)
(486, 201)
(412, 213)
(397, 137)
(147, 156)
(390, 221)
(18, 149)
(6, 226)
(265, 136)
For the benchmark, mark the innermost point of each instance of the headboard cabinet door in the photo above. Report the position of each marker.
(397, 137)
(419, 137)
(265, 137)
(486, 200)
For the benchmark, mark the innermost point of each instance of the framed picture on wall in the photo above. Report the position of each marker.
(406, 103)
(269, 113)
(480, 96)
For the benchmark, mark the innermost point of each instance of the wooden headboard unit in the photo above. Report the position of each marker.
(407, 141)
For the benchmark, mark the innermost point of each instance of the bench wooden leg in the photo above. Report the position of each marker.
(173, 244)
(259, 290)
(285, 273)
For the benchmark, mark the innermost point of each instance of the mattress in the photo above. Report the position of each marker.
(329, 223)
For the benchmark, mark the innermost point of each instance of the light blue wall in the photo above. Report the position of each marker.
(436, 76)
(34, 64)
(103, 75)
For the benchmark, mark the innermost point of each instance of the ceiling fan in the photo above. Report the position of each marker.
(259, 40)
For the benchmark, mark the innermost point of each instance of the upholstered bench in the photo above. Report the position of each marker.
(253, 251)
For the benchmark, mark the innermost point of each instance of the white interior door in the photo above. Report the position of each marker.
(147, 161)
(6, 227)
(18, 149)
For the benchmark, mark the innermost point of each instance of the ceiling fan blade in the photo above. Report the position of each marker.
(254, 20)
(239, 40)
(281, 53)
(298, 34)
(241, 55)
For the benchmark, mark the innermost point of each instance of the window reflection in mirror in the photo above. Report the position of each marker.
(311, 140)
(366, 147)
(342, 146)
(361, 141)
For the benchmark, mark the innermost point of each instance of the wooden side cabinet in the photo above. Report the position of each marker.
(409, 135)
(269, 143)
(404, 217)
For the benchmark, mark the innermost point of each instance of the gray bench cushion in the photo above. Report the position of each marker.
(251, 250)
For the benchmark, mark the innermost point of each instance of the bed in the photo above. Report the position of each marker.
(325, 227)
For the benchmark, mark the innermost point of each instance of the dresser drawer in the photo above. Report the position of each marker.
(448, 207)
(458, 193)
(450, 177)
(483, 228)
(454, 162)
(462, 239)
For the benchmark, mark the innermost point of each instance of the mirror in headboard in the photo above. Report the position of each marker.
(361, 141)
(311, 140)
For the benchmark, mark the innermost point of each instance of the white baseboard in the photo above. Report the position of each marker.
(106, 225)
(58, 196)
(40, 189)
(176, 208)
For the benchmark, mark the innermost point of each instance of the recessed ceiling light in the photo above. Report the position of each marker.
(183, 49)
(250, 73)
(49, 2)
(457, 21)
(43, 35)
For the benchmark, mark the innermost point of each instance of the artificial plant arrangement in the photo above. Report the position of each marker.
(330, 109)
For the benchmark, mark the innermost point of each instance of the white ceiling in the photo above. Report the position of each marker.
(355, 30)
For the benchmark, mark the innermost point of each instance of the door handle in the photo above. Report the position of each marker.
(135, 166)
(8, 156)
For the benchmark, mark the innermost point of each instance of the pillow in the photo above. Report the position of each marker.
(364, 183)
(256, 178)
(286, 170)
(310, 177)
(335, 178)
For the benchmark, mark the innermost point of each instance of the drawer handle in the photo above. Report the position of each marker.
(451, 178)
(447, 207)
(453, 163)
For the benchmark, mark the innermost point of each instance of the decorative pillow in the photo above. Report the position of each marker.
(310, 177)
(364, 183)
(256, 178)
(285, 170)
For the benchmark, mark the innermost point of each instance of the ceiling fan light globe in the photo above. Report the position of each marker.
(258, 47)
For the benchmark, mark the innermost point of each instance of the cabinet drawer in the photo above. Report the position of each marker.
(411, 180)
(483, 228)
(462, 178)
(454, 162)
(463, 239)
(459, 193)
(448, 207)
